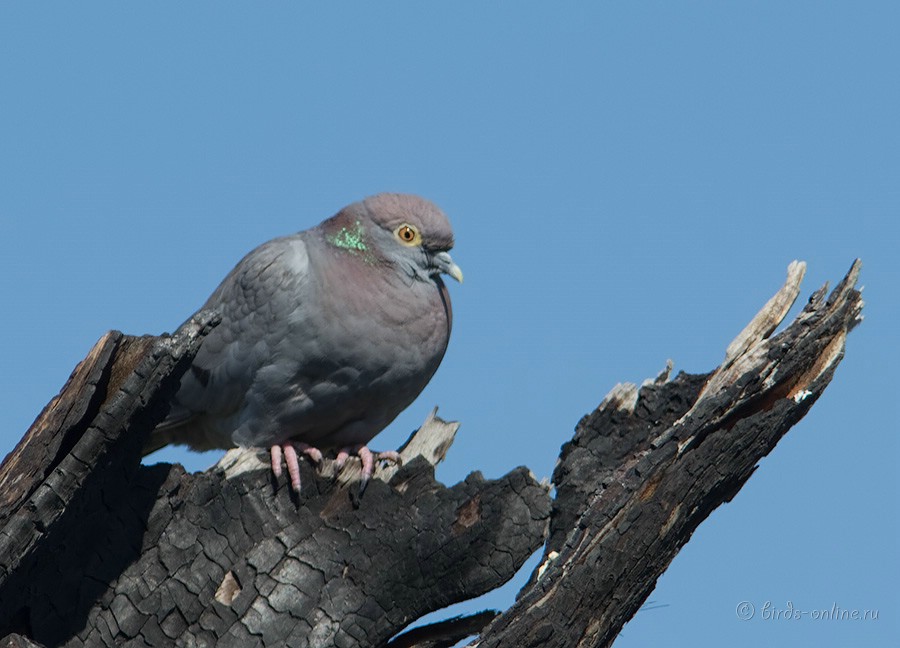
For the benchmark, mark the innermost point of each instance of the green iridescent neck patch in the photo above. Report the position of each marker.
(350, 238)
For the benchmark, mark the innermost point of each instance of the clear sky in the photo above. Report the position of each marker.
(627, 181)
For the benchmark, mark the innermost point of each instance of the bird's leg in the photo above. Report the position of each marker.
(367, 458)
(289, 450)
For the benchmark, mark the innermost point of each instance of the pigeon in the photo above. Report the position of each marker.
(325, 337)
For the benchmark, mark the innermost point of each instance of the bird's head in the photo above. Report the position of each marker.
(408, 232)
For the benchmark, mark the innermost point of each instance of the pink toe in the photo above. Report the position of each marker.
(312, 452)
(293, 466)
(275, 453)
(368, 462)
(390, 455)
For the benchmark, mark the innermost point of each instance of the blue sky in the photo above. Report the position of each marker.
(627, 181)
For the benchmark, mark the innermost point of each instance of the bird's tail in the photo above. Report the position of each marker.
(182, 427)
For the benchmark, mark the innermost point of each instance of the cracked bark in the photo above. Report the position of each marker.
(96, 549)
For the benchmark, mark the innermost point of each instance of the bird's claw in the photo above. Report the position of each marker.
(288, 450)
(368, 459)
(289, 453)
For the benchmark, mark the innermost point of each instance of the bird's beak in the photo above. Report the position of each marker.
(444, 263)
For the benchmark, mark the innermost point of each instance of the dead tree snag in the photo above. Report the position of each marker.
(96, 549)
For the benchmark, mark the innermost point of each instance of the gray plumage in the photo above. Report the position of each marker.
(326, 335)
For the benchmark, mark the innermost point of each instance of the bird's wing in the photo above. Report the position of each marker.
(255, 301)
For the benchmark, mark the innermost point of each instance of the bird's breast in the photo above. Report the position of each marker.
(388, 324)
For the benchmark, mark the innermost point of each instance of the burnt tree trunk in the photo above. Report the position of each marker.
(97, 549)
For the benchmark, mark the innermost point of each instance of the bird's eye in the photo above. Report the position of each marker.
(408, 234)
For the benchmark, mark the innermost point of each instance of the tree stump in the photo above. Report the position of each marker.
(99, 550)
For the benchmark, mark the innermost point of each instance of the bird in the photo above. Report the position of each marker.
(325, 336)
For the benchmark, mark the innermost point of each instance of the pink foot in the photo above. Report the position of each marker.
(367, 458)
(289, 450)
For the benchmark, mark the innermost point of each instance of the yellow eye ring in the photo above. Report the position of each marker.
(408, 235)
